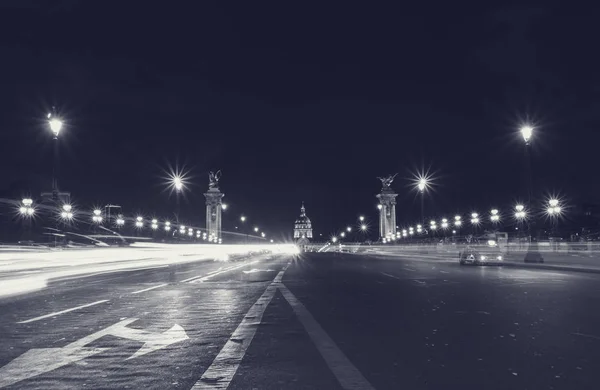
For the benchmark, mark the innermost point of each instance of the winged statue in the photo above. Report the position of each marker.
(386, 182)
(213, 179)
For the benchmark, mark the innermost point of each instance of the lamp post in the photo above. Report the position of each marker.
(55, 124)
(177, 183)
(26, 210)
(554, 211)
(67, 213)
(475, 221)
(422, 186)
(244, 228)
(494, 216)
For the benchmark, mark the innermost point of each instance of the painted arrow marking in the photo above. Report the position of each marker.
(38, 361)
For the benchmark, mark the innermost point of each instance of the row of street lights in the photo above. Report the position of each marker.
(362, 227)
(520, 213)
(67, 213)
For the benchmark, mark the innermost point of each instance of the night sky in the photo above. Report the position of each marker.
(296, 101)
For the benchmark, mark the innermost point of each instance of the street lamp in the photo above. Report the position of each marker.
(457, 221)
(348, 229)
(167, 226)
(380, 206)
(256, 229)
(97, 216)
(554, 208)
(67, 213)
(26, 208)
(55, 124)
(520, 213)
(494, 216)
(363, 227)
(526, 132)
(224, 206)
(262, 234)
(432, 225)
(361, 218)
(342, 234)
(419, 228)
(139, 222)
(444, 223)
(154, 225)
(422, 185)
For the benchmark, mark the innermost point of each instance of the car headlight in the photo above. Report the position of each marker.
(483, 257)
(499, 258)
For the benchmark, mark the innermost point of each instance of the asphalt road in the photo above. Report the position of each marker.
(318, 321)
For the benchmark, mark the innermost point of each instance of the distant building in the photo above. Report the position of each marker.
(303, 228)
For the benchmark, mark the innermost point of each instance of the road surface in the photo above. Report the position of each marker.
(318, 321)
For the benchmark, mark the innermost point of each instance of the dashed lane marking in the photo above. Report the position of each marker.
(150, 288)
(391, 276)
(57, 313)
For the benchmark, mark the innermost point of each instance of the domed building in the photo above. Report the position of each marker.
(303, 228)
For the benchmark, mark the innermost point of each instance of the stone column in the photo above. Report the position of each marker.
(214, 207)
(387, 213)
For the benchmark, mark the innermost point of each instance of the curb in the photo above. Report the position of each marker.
(553, 267)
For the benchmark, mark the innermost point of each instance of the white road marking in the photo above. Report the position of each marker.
(150, 288)
(591, 336)
(207, 277)
(222, 370)
(61, 312)
(410, 269)
(390, 276)
(38, 361)
(221, 269)
(445, 272)
(346, 373)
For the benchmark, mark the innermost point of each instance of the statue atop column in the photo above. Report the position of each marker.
(214, 206)
(387, 181)
(213, 179)
(387, 208)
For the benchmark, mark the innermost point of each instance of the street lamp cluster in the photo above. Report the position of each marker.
(26, 208)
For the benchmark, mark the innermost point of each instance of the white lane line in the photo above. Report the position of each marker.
(222, 370)
(150, 288)
(61, 312)
(221, 269)
(410, 269)
(390, 276)
(346, 373)
(207, 277)
(445, 272)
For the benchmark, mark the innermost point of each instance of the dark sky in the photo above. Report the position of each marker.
(298, 101)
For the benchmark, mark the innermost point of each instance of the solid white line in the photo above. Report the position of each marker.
(410, 269)
(61, 312)
(346, 373)
(391, 276)
(222, 370)
(150, 288)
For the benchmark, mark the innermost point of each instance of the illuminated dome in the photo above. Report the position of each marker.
(303, 226)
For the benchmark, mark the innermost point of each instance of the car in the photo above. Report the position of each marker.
(480, 254)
